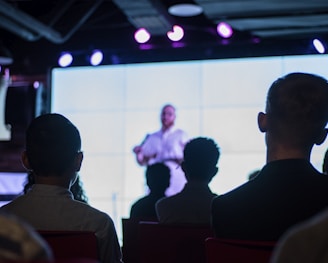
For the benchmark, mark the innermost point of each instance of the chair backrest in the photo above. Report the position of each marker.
(172, 243)
(238, 251)
(130, 246)
(72, 244)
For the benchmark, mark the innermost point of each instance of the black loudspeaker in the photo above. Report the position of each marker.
(20, 109)
(20, 106)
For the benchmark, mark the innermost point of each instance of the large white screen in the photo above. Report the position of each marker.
(115, 106)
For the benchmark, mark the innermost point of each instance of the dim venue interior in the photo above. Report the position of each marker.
(110, 66)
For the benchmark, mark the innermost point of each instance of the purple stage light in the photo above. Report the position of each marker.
(36, 84)
(96, 58)
(141, 35)
(224, 30)
(177, 33)
(65, 59)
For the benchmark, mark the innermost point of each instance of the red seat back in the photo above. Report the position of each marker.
(172, 243)
(72, 244)
(238, 251)
(130, 248)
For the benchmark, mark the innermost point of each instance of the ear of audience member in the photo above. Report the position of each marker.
(193, 203)
(19, 242)
(288, 189)
(158, 180)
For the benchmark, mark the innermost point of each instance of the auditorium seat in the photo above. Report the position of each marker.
(72, 245)
(172, 243)
(238, 251)
(130, 246)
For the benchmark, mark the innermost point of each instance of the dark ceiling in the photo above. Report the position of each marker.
(36, 32)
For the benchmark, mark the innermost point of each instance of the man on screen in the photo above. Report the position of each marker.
(165, 146)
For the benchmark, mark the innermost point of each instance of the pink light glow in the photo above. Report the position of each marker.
(224, 30)
(177, 33)
(36, 84)
(141, 35)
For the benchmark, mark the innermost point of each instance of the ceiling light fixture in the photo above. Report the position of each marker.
(142, 35)
(177, 33)
(65, 59)
(224, 30)
(319, 46)
(96, 58)
(185, 10)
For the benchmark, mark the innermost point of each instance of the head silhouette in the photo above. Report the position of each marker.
(158, 177)
(201, 156)
(297, 110)
(52, 144)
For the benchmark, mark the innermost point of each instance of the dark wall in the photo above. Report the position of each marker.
(22, 105)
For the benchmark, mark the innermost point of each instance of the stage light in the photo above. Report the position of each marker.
(224, 30)
(96, 58)
(141, 35)
(319, 46)
(36, 84)
(177, 33)
(65, 59)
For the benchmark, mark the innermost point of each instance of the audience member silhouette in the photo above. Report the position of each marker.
(158, 180)
(19, 242)
(53, 154)
(165, 146)
(193, 203)
(288, 188)
(305, 242)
